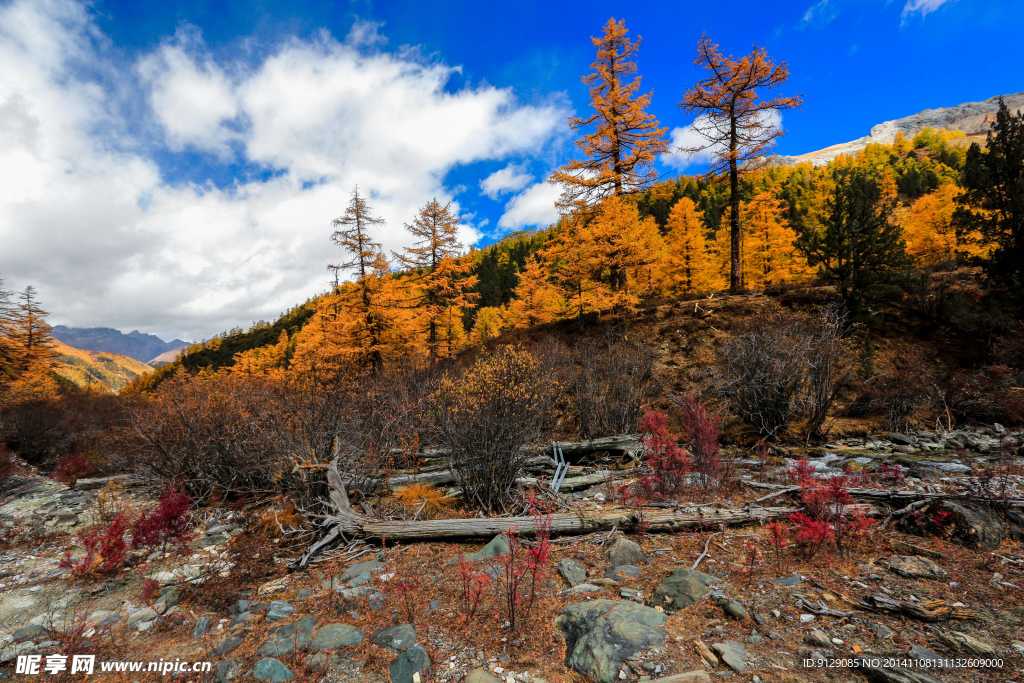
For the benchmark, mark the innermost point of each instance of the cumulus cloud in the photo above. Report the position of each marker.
(689, 137)
(509, 179)
(533, 207)
(90, 218)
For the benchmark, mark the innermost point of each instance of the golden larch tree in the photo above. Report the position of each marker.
(690, 268)
(536, 301)
(371, 324)
(490, 321)
(768, 253)
(442, 278)
(929, 230)
(618, 154)
(738, 128)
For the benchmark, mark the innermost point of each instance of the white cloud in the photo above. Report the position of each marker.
(923, 6)
(819, 13)
(509, 179)
(88, 218)
(190, 94)
(689, 137)
(533, 207)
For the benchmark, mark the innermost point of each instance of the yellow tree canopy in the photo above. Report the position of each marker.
(690, 268)
(768, 252)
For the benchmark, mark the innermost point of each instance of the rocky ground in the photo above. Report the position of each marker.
(671, 607)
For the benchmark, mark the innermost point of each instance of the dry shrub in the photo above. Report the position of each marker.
(274, 521)
(780, 366)
(252, 557)
(422, 499)
(485, 418)
(610, 379)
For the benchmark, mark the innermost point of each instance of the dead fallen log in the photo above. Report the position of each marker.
(894, 497)
(926, 610)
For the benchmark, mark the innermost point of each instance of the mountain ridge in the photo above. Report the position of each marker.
(971, 118)
(136, 345)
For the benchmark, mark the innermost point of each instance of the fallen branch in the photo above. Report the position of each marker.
(707, 545)
(927, 610)
(820, 609)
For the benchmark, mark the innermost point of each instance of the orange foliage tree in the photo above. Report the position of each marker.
(442, 278)
(690, 268)
(929, 230)
(738, 128)
(371, 325)
(536, 301)
(620, 151)
(768, 252)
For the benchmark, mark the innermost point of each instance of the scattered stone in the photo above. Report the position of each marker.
(818, 639)
(733, 654)
(286, 639)
(915, 567)
(900, 439)
(620, 573)
(269, 669)
(601, 634)
(496, 547)
(881, 631)
(481, 676)
(733, 608)
(924, 654)
(201, 627)
(242, 618)
(681, 588)
(410, 662)
(624, 551)
(273, 587)
(806, 618)
(572, 571)
(226, 670)
(336, 636)
(788, 581)
(33, 633)
(582, 588)
(395, 638)
(925, 473)
(279, 610)
(239, 607)
(143, 615)
(225, 646)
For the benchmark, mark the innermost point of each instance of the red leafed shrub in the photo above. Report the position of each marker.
(891, 476)
(474, 584)
(701, 426)
(105, 550)
(407, 593)
(828, 519)
(802, 472)
(148, 590)
(667, 461)
(780, 535)
(520, 571)
(72, 467)
(166, 524)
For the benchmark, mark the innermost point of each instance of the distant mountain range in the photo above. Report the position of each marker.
(972, 118)
(135, 344)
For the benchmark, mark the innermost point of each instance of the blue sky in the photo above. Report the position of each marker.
(174, 166)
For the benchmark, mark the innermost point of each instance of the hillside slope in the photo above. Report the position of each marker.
(138, 345)
(97, 369)
(972, 118)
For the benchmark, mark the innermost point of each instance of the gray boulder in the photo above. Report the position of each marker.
(681, 588)
(601, 634)
(395, 638)
(269, 669)
(972, 526)
(624, 551)
(411, 661)
(279, 610)
(335, 636)
(283, 640)
(572, 571)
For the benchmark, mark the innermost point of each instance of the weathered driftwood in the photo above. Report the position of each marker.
(893, 497)
(345, 522)
(446, 478)
(926, 610)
